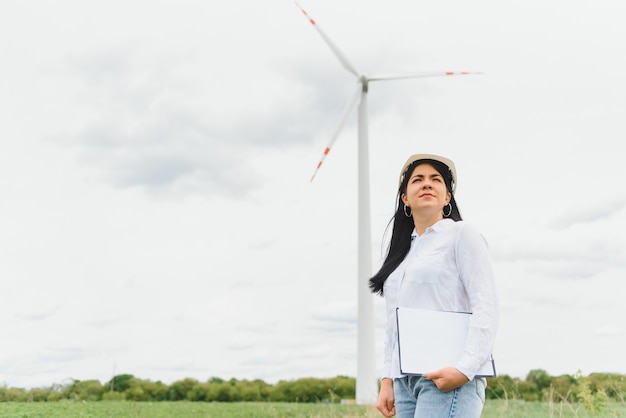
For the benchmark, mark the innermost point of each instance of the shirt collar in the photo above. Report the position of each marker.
(436, 227)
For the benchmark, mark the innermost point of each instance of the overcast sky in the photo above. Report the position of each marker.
(157, 217)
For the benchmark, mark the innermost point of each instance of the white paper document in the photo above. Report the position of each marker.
(431, 340)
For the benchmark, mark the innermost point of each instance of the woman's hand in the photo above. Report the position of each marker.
(447, 379)
(386, 400)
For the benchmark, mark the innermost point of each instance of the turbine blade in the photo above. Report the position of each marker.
(340, 55)
(356, 97)
(400, 76)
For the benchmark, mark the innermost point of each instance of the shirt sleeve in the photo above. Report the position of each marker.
(474, 265)
(390, 335)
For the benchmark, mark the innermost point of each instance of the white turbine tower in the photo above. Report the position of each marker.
(366, 379)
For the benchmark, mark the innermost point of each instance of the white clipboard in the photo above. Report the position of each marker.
(431, 340)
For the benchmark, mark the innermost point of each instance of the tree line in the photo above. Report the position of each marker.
(131, 388)
(593, 390)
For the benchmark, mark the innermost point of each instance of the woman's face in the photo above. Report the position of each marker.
(426, 190)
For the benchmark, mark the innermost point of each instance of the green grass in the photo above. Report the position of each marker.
(123, 409)
(522, 409)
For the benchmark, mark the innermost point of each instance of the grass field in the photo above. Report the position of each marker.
(122, 409)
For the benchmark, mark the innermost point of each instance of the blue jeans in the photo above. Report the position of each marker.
(416, 397)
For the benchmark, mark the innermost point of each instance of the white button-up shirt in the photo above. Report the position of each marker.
(448, 268)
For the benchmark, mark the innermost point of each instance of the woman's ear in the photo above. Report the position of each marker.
(404, 199)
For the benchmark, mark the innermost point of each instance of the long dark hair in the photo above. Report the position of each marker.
(403, 226)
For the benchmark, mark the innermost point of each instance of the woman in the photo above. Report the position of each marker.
(437, 262)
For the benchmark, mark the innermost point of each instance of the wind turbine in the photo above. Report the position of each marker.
(366, 379)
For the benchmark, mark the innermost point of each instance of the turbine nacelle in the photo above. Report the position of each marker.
(364, 82)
